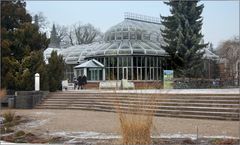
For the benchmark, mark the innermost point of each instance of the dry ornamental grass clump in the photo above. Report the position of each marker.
(136, 129)
(136, 121)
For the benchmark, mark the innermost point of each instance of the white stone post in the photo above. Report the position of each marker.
(103, 77)
(37, 82)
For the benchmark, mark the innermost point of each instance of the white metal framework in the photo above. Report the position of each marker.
(131, 50)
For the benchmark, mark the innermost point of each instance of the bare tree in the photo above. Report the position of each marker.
(41, 21)
(61, 32)
(76, 34)
(71, 36)
(85, 34)
(230, 51)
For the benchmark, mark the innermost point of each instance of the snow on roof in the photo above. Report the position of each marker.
(209, 54)
(90, 64)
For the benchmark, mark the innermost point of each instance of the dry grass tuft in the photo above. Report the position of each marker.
(136, 129)
(136, 121)
(9, 116)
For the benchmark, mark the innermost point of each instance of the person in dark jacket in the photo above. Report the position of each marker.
(84, 80)
(80, 82)
(75, 81)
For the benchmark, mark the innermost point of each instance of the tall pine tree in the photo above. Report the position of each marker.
(21, 48)
(56, 67)
(182, 36)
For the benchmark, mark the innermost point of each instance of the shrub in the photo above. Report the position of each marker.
(19, 133)
(9, 116)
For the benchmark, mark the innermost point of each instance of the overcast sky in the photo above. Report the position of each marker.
(221, 18)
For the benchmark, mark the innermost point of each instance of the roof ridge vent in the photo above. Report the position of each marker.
(142, 18)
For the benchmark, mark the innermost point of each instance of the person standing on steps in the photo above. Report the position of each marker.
(84, 79)
(79, 82)
(75, 81)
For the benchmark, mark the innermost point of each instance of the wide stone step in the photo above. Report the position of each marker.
(180, 108)
(167, 113)
(212, 106)
(142, 93)
(154, 107)
(140, 100)
(147, 96)
(114, 102)
(137, 94)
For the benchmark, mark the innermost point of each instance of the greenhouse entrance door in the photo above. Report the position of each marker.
(125, 73)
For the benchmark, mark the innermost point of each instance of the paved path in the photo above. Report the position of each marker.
(168, 91)
(52, 121)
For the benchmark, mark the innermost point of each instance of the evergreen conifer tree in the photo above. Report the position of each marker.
(182, 36)
(21, 47)
(54, 38)
(55, 71)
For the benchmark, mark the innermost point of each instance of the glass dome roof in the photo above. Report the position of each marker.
(134, 29)
(130, 37)
(76, 54)
(135, 35)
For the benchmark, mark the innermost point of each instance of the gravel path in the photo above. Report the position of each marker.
(50, 121)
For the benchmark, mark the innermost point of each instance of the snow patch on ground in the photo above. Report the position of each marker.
(75, 136)
(32, 124)
(192, 136)
(86, 135)
(96, 135)
(44, 113)
(4, 142)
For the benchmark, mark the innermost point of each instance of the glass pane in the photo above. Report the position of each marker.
(120, 61)
(100, 74)
(125, 35)
(89, 75)
(143, 61)
(138, 36)
(120, 73)
(119, 36)
(113, 36)
(143, 74)
(134, 73)
(129, 74)
(129, 61)
(134, 61)
(125, 63)
(132, 35)
(139, 61)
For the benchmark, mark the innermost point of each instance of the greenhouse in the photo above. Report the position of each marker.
(131, 50)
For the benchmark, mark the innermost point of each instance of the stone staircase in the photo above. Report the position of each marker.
(200, 106)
